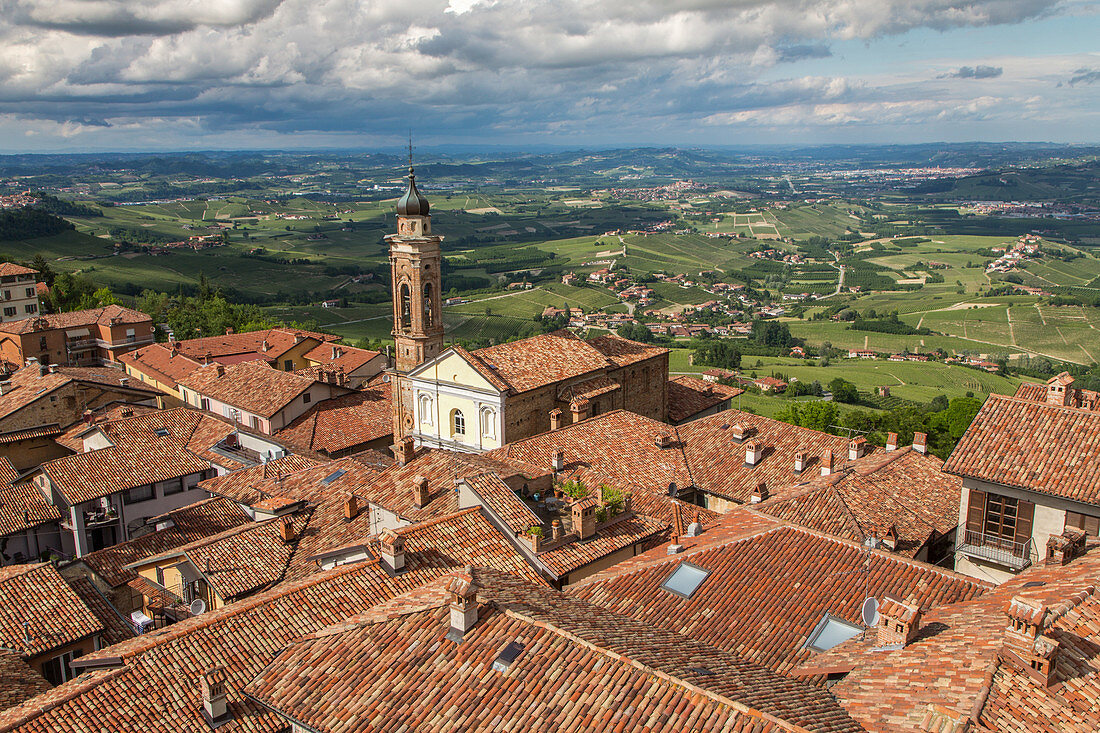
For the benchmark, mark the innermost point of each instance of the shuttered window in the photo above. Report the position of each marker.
(993, 519)
(1090, 524)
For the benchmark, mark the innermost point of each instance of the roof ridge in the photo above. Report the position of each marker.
(409, 528)
(65, 692)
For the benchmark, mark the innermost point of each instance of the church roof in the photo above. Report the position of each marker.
(413, 202)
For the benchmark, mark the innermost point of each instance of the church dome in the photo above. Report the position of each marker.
(413, 202)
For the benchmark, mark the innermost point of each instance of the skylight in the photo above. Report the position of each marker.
(507, 655)
(831, 631)
(333, 476)
(685, 579)
(161, 432)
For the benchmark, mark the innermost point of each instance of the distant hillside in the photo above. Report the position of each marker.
(28, 223)
(1078, 184)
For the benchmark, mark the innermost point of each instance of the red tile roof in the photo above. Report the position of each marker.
(251, 386)
(29, 385)
(623, 352)
(689, 396)
(90, 317)
(1031, 445)
(957, 662)
(39, 612)
(116, 629)
(581, 669)
(19, 681)
(339, 356)
(252, 484)
(541, 360)
(231, 348)
(22, 506)
(189, 523)
(900, 489)
(343, 423)
(769, 584)
(618, 534)
(161, 363)
(503, 501)
(8, 269)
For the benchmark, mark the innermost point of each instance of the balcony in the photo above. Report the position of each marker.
(994, 549)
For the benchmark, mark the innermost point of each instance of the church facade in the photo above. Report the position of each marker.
(449, 397)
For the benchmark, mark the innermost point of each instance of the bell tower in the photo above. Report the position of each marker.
(415, 262)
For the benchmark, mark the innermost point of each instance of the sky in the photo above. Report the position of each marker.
(157, 75)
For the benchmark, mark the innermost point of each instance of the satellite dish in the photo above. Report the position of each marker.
(198, 607)
(870, 611)
(385, 379)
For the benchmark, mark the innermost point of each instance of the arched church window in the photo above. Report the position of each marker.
(406, 307)
(427, 305)
(426, 409)
(458, 424)
(488, 422)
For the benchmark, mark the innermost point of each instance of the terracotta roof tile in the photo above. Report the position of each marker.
(37, 595)
(339, 356)
(160, 362)
(115, 628)
(252, 484)
(502, 501)
(619, 533)
(74, 319)
(342, 423)
(19, 681)
(8, 269)
(768, 586)
(1031, 445)
(623, 352)
(230, 348)
(689, 396)
(541, 360)
(29, 385)
(251, 386)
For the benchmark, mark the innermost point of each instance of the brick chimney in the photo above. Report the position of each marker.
(207, 358)
(890, 539)
(753, 453)
(856, 448)
(583, 514)
(215, 707)
(220, 369)
(555, 419)
(898, 622)
(892, 441)
(663, 440)
(392, 548)
(175, 346)
(403, 451)
(738, 432)
(759, 494)
(579, 408)
(463, 592)
(1060, 389)
(827, 462)
(264, 346)
(421, 495)
(1026, 643)
(286, 530)
(800, 461)
(557, 459)
(920, 443)
(556, 530)
(351, 507)
(1062, 548)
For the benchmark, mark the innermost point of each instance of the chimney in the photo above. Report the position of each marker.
(663, 440)
(298, 338)
(392, 548)
(557, 461)
(827, 463)
(556, 530)
(1060, 389)
(175, 346)
(695, 528)
(126, 412)
(403, 451)
(207, 358)
(463, 592)
(856, 448)
(335, 353)
(43, 369)
(759, 494)
(920, 443)
(738, 432)
(420, 492)
(800, 461)
(286, 530)
(898, 623)
(677, 531)
(892, 441)
(579, 408)
(229, 331)
(5, 386)
(86, 416)
(351, 507)
(220, 369)
(583, 514)
(890, 539)
(753, 452)
(1061, 548)
(215, 708)
(123, 381)
(1026, 643)
(264, 346)
(555, 419)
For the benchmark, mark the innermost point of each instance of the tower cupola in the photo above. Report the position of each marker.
(413, 202)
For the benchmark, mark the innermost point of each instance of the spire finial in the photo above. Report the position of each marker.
(410, 152)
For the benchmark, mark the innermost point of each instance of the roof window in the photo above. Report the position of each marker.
(507, 655)
(685, 579)
(333, 476)
(161, 432)
(831, 631)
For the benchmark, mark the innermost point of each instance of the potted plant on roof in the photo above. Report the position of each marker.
(534, 536)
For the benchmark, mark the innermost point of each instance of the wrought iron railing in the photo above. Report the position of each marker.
(995, 548)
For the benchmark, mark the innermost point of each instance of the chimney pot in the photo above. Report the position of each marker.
(920, 442)
(286, 530)
(856, 448)
(1026, 644)
(421, 495)
(753, 453)
(583, 514)
(800, 461)
(892, 441)
(351, 507)
(555, 419)
(738, 432)
(403, 451)
(229, 331)
(663, 440)
(392, 548)
(579, 408)
(463, 591)
(214, 698)
(898, 622)
(556, 530)
(827, 463)
(557, 462)
(759, 494)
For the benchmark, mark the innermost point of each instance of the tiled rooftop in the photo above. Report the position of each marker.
(580, 669)
(189, 523)
(624, 352)
(689, 396)
(341, 423)
(9, 269)
(901, 489)
(22, 506)
(616, 535)
(957, 662)
(230, 348)
(503, 501)
(73, 319)
(40, 612)
(339, 356)
(253, 484)
(252, 386)
(768, 586)
(160, 362)
(541, 360)
(1032, 445)
(29, 384)
(18, 680)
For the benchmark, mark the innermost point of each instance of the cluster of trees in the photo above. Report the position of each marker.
(722, 353)
(943, 420)
(207, 313)
(887, 324)
(28, 222)
(635, 332)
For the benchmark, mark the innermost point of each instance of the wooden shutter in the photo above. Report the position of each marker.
(1024, 513)
(975, 511)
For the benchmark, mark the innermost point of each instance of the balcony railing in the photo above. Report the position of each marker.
(995, 549)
